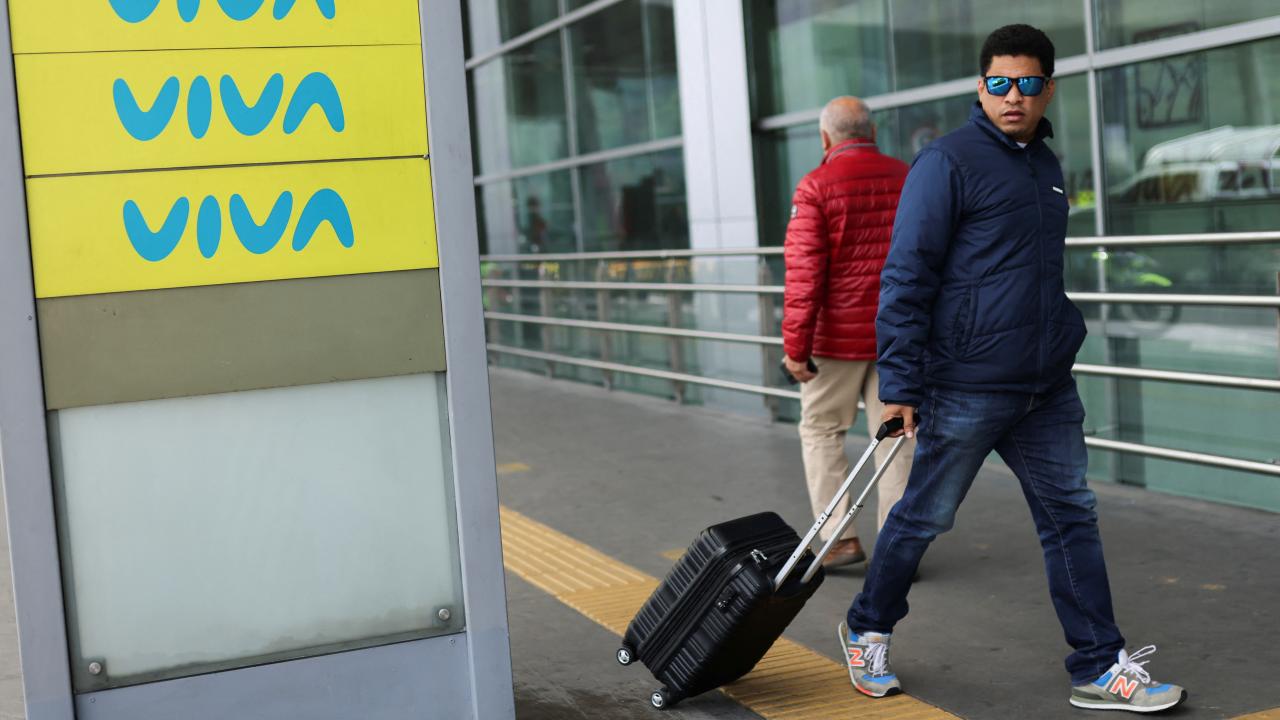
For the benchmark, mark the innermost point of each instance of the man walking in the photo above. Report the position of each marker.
(976, 334)
(841, 221)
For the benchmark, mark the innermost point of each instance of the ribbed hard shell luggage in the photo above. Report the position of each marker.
(731, 596)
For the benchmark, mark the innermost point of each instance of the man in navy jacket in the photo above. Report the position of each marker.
(976, 339)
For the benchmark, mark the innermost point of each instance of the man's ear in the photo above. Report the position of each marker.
(826, 140)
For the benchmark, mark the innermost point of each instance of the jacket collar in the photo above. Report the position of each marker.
(978, 117)
(848, 146)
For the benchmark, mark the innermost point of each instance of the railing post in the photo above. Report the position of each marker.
(545, 306)
(764, 276)
(675, 350)
(602, 314)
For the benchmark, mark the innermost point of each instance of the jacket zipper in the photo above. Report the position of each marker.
(1044, 317)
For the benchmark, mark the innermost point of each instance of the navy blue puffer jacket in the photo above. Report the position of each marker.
(972, 294)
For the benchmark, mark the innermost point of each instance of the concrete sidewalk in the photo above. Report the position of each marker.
(635, 477)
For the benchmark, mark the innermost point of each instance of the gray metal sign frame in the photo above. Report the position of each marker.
(450, 677)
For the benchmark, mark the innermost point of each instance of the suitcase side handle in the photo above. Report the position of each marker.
(893, 425)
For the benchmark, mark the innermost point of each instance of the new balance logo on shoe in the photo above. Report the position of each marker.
(1124, 686)
(855, 657)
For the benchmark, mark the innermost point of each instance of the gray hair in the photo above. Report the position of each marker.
(845, 118)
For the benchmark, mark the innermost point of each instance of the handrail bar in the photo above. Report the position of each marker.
(649, 286)
(640, 329)
(1236, 238)
(647, 372)
(1207, 459)
(1085, 297)
(1206, 239)
(1174, 376)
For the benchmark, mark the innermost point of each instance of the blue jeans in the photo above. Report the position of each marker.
(1041, 438)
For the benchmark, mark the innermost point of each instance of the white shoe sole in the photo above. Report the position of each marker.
(1087, 705)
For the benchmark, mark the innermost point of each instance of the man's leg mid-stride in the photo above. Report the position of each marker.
(828, 407)
(1046, 451)
(955, 434)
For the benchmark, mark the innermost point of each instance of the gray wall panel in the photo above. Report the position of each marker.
(126, 347)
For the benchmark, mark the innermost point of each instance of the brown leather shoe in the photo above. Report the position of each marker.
(845, 552)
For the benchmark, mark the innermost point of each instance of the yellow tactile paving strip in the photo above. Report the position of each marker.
(792, 682)
(1272, 714)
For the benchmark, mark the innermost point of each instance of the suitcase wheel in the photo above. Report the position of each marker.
(625, 656)
(660, 699)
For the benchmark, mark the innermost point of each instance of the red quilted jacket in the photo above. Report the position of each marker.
(837, 240)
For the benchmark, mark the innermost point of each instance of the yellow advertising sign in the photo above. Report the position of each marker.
(93, 112)
(45, 26)
(145, 231)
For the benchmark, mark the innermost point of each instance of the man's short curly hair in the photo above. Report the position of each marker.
(1018, 40)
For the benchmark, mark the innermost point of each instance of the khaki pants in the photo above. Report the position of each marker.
(828, 408)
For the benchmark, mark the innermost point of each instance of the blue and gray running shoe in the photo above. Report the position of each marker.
(868, 658)
(1128, 686)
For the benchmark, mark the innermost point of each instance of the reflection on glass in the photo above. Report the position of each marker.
(207, 533)
(783, 157)
(531, 214)
(518, 114)
(624, 70)
(937, 40)
(1192, 142)
(635, 203)
(1122, 22)
(492, 22)
(804, 52)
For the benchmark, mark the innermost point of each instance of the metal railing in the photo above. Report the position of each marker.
(767, 294)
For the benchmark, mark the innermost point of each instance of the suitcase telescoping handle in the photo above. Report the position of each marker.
(892, 426)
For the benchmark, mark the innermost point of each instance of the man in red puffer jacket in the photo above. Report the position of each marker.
(837, 240)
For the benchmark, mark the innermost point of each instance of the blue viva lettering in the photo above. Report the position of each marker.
(199, 107)
(156, 246)
(251, 120)
(209, 227)
(240, 9)
(325, 207)
(328, 8)
(142, 124)
(136, 11)
(315, 89)
(261, 239)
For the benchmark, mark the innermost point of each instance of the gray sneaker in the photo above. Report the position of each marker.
(1127, 686)
(868, 658)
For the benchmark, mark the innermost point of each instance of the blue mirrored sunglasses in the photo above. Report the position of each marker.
(1030, 86)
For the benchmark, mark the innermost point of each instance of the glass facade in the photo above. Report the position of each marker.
(1189, 143)
(1124, 22)
(598, 101)
(1187, 140)
(804, 52)
(577, 144)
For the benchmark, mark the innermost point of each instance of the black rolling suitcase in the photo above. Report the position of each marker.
(732, 595)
